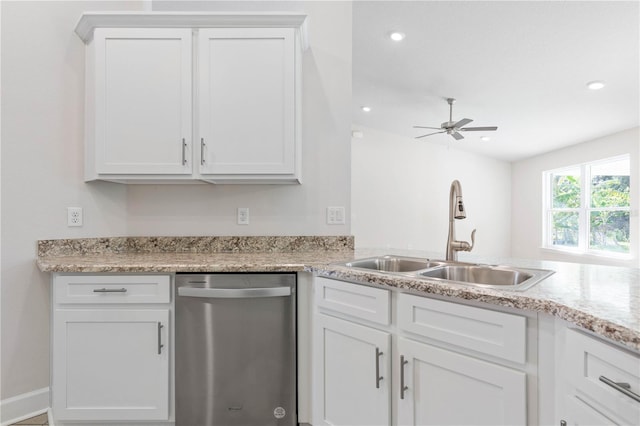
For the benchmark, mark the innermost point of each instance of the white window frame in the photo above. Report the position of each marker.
(584, 211)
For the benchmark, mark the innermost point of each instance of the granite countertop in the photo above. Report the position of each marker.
(602, 299)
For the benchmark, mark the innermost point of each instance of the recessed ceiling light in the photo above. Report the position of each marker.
(365, 108)
(485, 138)
(595, 85)
(397, 36)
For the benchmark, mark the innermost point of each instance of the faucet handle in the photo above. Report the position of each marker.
(465, 246)
(473, 240)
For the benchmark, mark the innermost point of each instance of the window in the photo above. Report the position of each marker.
(587, 207)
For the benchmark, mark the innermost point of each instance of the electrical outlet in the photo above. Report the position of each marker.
(243, 215)
(335, 216)
(74, 216)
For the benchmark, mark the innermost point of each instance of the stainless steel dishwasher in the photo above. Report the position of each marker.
(235, 349)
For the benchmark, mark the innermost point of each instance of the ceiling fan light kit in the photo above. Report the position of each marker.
(454, 128)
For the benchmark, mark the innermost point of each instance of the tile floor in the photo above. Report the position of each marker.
(37, 420)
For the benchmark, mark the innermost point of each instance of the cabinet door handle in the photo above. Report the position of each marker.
(403, 388)
(621, 387)
(184, 152)
(160, 345)
(110, 290)
(202, 144)
(378, 376)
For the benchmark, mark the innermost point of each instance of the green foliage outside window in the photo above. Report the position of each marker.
(609, 229)
(566, 191)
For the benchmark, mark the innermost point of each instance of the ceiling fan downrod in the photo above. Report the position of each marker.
(451, 101)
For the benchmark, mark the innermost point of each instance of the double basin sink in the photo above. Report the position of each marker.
(490, 276)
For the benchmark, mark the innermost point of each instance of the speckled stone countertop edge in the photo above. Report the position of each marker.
(59, 266)
(519, 300)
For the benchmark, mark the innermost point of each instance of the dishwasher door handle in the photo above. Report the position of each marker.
(234, 293)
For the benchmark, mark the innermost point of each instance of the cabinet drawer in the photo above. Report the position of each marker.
(102, 289)
(590, 361)
(489, 332)
(358, 301)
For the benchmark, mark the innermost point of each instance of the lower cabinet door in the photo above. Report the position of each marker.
(352, 377)
(446, 388)
(579, 413)
(110, 365)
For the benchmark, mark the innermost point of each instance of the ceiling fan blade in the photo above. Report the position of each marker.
(457, 136)
(418, 137)
(422, 127)
(463, 122)
(478, 129)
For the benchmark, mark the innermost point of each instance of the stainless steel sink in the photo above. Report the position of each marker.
(490, 276)
(505, 277)
(393, 263)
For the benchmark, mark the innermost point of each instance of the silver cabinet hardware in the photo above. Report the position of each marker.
(160, 345)
(621, 387)
(110, 290)
(403, 388)
(378, 376)
(234, 293)
(202, 144)
(563, 423)
(184, 152)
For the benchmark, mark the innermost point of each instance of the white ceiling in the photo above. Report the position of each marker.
(521, 66)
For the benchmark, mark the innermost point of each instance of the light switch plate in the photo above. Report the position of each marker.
(335, 215)
(243, 215)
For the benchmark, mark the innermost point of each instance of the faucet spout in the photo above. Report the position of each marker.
(457, 211)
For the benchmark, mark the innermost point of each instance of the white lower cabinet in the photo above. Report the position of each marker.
(352, 381)
(580, 413)
(602, 382)
(422, 380)
(441, 387)
(110, 358)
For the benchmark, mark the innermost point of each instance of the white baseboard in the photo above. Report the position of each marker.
(50, 417)
(27, 405)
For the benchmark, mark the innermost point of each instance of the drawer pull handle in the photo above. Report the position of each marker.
(378, 376)
(403, 388)
(160, 345)
(622, 387)
(110, 290)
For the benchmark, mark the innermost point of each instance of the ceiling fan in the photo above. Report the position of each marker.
(454, 128)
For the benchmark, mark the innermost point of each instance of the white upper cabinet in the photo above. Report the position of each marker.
(146, 72)
(142, 100)
(247, 101)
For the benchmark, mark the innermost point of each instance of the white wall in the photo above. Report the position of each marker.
(526, 222)
(400, 195)
(42, 110)
(274, 209)
(42, 149)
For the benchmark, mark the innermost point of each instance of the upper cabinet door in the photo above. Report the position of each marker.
(143, 100)
(247, 101)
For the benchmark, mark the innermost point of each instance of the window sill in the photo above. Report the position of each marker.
(580, 257)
